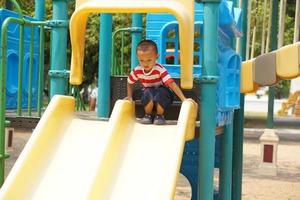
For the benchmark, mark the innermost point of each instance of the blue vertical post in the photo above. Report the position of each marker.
(208, 100)
(238, 124)
(59, 36)
(137, 22)
(104, 65)
(225, 181)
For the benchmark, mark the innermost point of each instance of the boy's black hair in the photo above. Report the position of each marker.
(145, 44)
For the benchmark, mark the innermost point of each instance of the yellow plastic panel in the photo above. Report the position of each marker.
(69, 158)
(183, 10)
(139, 155)
(247, 79)
(287, 61)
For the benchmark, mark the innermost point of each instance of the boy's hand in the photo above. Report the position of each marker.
(128, 98)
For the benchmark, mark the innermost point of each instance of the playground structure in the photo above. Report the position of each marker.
(208, 72)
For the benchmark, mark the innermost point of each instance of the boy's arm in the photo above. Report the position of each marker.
(129, 92)
(177, 91)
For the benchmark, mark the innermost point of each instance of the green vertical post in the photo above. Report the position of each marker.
(41, 72)
(59, 36)
(274, 31)
(238, 124)
(29, 102)
(104, 65)
(39, 10)
(225, 181)
(3, 65)
(137, 22)
(40, 15)
(20, 71)
(208, 100)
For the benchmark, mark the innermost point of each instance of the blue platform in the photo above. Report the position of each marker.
(13, 60)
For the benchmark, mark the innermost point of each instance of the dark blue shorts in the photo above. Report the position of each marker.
(161, 95)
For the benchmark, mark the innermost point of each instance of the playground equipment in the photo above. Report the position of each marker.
(209, 77)
(27, 58)
(62, 170)
(268, 69)
(292, 100)
(47, 171)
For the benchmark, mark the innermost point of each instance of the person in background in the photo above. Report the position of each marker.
(94, 99)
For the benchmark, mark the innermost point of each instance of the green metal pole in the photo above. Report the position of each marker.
(238, 124)
(3, 65)
(274, 31)
(122, 55)
(225, 180)
(41, 72)
(30, 70)
(208, 101)
(137, 22)
(104, 65)
(59, 36)
(40, 15)
(20, 71)
(39, 12)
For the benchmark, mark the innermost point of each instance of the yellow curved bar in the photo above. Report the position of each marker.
(247, 80)
(287, 61)
(183, 10)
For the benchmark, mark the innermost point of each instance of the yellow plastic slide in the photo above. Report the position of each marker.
(68, 158)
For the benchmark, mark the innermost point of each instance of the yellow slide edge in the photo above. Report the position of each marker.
(183, 10)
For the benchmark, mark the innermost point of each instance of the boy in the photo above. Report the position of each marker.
(156, 82)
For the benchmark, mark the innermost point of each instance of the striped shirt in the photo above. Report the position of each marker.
(157, 76)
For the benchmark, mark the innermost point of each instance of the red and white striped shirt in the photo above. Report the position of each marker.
(157, 76)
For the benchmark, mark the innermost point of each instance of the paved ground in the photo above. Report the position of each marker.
(286, 186)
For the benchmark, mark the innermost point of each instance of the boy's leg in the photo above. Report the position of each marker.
(148, 108)
(147, 101)
(163, 99)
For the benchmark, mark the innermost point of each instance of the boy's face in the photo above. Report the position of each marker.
(147, 59)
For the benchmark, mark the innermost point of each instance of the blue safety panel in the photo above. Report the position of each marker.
(163, 29)
(189, 165)
(13, 61)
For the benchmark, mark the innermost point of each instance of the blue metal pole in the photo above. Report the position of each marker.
(137, 22)
(59, 36)
(208, 100)
(104, 65)
(225, 181)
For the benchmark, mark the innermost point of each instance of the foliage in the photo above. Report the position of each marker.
(124, 21)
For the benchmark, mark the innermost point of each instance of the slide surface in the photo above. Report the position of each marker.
(70, 158)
